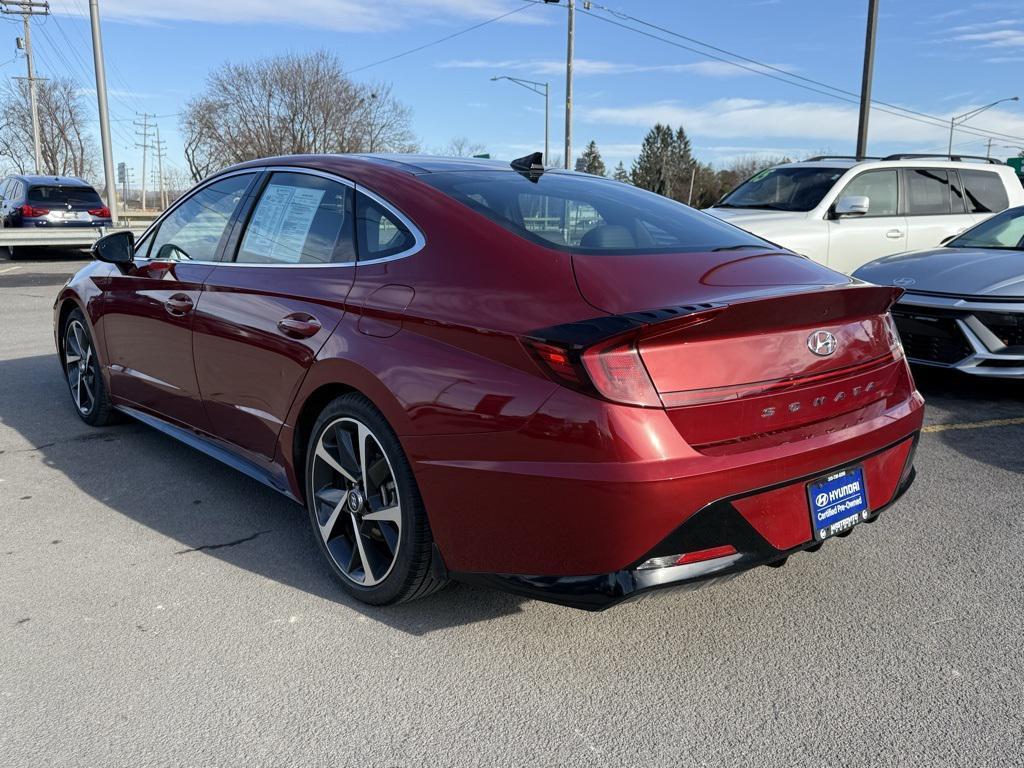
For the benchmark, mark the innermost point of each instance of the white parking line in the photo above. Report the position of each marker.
(9, 269)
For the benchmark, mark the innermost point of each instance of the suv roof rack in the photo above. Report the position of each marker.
(955, 158)
(838, 157)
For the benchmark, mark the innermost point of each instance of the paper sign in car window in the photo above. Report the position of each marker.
(281, 222)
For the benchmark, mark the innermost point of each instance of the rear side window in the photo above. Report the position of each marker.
(880, 187)
(380, 233)
(587, 214)
(61, 195)
(194, 229)
(984, 191)
(300, 219)
(927, 192)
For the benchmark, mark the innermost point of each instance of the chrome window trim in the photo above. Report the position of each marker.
(419, 239)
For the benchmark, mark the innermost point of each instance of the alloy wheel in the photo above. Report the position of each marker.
(80, 364)
(356, 500)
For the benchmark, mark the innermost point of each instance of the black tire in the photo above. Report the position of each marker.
(89, 394)
(411, 574)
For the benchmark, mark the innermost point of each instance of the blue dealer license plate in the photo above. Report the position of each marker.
(838, 502)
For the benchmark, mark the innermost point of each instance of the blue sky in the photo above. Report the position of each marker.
(933, 56)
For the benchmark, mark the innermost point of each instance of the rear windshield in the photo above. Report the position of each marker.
(792, 188)
(586, 214)
(60, 195)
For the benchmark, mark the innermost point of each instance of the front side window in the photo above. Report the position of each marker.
(587, 214)
(984, 191)
(1004, 231)
(380, 233)
(194, 229)
(880, 187)
(927, 192)
(792, 188)
(300, 219)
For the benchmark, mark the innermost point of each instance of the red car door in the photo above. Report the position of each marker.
(148, 308)
(268, 309)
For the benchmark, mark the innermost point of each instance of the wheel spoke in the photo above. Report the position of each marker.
(346, 450)
(327, 528)
(368, 578)
(324, 456)
(391, 514)
(364, 435)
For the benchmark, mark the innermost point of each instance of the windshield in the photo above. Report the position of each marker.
(586, 214)
(1004, 230)
(787, 188)
(58, 195)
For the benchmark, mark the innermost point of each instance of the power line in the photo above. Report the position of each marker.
(445, 38)
(759, 68)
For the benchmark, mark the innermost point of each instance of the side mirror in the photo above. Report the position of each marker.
(852, 205)
(115, 248)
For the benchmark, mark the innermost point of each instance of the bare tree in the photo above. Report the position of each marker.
(66, 147)
(293, 104)
(461, 146)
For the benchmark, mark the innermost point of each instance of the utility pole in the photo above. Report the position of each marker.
(570, 42)
(158, 149)
(989, 152)
(865, 83)
(104, 114)
(145, 148)
(28, 9)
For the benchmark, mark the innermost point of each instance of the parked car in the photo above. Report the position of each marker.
(544, 381)
(844, 212)
(964, 302)
(50, 201)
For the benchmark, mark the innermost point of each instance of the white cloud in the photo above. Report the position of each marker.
(341, 15)
(584, 67)
(803, 121)
(998, 38)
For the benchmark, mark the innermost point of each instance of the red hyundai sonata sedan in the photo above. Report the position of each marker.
(544, 381)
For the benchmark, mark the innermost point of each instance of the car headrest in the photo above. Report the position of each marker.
(608, 236)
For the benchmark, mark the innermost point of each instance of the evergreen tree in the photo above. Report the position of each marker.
(621, 174)
(651, 169)
(665, 162)
(590, 161)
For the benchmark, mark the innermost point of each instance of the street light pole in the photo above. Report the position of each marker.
(533, 85)
(570, 43)
(101, 99)
(865, 83)
(953, 121)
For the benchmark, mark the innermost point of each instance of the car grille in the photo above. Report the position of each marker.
(1008, 327)
(931, 337)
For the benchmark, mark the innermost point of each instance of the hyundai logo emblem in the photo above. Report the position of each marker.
(904, 281)
(822, 343)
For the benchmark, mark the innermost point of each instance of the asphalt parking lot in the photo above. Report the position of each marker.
(158, 608)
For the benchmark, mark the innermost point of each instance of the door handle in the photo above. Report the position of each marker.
(299, 325)
(894, 234)
(178, 304)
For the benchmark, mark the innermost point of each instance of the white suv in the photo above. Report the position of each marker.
(845, 212)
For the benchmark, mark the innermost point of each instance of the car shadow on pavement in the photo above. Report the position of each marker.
(208, 509)
(958, 400)
(44, 255)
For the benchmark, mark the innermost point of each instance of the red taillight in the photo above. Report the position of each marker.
(619, 374)
(556, 361)
(611, 369)
(29, 210)
(103, 213)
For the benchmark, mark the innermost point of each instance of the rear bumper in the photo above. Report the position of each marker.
(982, 338)
(722, 522)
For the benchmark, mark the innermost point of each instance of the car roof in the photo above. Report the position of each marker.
(898, 161)
(435, 163)
(63, 181)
